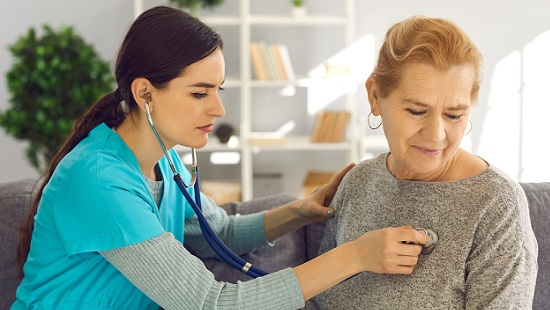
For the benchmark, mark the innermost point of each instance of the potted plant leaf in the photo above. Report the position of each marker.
(194, 5)
(53, 80)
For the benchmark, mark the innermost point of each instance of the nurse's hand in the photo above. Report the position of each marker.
(379, 251)
(284, 219)
(316, 207)
(383, 250)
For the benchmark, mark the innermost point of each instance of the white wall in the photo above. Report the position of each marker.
(102, 23)
(513, 36)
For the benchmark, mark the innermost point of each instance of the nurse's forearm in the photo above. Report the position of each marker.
(283, 220)
(191, 286)
(327, 270)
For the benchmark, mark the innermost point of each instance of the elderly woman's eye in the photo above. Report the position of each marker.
(454, 117)
(415, 112)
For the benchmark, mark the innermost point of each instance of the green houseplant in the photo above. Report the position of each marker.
(194, 5)
(53, 80)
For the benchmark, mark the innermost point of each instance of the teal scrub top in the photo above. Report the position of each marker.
(96, 200)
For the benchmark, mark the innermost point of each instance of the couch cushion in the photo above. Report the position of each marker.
(538, 195)
(289, 250)
(14, 204)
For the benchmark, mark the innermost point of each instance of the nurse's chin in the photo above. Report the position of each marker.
(196, 145)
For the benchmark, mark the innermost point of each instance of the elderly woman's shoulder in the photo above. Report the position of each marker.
(374, 162)
(503, 181)
(368, 167)
(495, 183)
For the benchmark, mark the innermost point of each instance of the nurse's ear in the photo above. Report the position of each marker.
(141, 91)
(373, 94)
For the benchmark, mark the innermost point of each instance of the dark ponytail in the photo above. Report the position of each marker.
(159, 45)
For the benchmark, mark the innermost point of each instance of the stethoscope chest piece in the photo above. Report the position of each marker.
(432, 241)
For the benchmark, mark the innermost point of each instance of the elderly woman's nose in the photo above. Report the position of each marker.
(434, 129)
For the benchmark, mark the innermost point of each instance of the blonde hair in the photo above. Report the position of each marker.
(432, 41)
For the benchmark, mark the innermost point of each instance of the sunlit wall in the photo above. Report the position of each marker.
(515, 129)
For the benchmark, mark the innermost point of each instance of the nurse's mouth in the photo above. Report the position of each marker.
(207, 128)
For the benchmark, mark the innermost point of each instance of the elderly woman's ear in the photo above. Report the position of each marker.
(372, 92)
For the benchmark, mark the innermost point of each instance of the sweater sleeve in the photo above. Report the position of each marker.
(328, 242)
(173, 278)
(502, 268)
(241, 233)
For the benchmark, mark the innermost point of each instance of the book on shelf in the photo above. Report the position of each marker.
(279, 62)
(314, 179)
(270, 62)
(272, 70)
(258, 64)
(285, 59)
(266, 139)
(330, 126)
(221, 191)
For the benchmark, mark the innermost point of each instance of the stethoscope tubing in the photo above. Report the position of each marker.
(225, 253)
(212, 239)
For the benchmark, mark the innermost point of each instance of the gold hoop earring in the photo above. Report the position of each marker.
(368, 122)
(471, 127)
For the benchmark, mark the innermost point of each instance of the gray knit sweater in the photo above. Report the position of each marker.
(485, 258)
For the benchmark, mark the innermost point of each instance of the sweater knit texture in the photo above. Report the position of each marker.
(485, 258)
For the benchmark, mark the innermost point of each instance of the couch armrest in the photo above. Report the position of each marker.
(538, 197)
(15, 201)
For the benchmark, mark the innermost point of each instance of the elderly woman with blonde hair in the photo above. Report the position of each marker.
(422, 92)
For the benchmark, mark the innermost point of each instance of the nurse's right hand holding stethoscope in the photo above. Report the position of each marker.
(379, 251)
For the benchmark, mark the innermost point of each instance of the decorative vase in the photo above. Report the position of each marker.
(299, 11)
(224, 133)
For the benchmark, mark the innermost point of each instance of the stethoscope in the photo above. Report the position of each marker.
(432, 240)
(211, 238)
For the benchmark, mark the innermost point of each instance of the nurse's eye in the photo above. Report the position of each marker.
(221, 88)
(415, 112)
(200, 95)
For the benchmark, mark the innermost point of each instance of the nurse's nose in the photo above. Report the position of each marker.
(217, 109)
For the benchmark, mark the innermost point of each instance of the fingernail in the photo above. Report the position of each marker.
(330, 213)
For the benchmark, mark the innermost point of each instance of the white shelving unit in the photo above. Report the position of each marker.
(245, 22)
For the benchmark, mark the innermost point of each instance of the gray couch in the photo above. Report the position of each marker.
(290, 250)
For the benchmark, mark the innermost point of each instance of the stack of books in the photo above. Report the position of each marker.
(271, 62)
(221, 191)
(315, 179)
(330, 126)
(266, 139)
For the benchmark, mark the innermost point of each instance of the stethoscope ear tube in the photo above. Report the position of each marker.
(213, 240)
(194, 166)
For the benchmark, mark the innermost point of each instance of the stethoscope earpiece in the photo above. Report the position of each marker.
(209, 234)
(194, 165)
